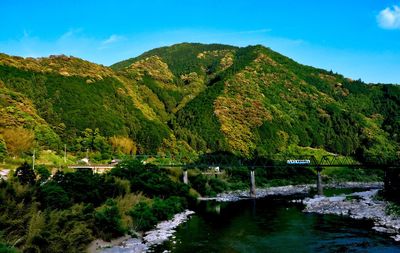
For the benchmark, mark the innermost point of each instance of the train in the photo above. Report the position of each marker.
(298, 162)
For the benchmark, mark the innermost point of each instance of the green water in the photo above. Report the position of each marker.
(273, 225)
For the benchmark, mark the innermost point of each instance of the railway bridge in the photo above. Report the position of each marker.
(226, 160)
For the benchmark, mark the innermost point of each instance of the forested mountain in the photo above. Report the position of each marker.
(196, 98)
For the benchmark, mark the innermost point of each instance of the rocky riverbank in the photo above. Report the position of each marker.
(166, 229)
(162, 232)
(359, 205)
(289, 190)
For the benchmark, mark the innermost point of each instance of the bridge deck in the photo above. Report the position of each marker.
(93, 166)
(274, 161)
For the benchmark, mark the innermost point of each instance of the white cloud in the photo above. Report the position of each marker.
(389, 18)
(71, 33)
(254, 31)
(112, 39)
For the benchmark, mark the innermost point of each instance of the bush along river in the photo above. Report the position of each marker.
(281, 219)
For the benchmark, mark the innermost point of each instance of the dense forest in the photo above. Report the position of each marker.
(195, 99)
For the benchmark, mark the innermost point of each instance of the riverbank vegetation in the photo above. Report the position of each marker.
(132, 197)
(64, 212)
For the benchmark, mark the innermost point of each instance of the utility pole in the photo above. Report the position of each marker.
(33, 159)
(65, 153)
(87, 155)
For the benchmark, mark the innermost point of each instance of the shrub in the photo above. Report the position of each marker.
(53, 196)
(108, 223)
(393, 209)
(165, 209)
(68, 230)
(143, 216)
(3, 149)
(43, 173)
(18, 140)
(25, 174)
(149, 179)
(6, 249)
(218, 185)
(208, 186)
(146, 215)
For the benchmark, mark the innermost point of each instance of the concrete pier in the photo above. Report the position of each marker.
(185, 177)
(319, 182)
(252, 184)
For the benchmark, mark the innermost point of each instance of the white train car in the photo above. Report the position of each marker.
(298, 162)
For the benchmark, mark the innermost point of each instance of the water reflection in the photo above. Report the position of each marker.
(273, 225)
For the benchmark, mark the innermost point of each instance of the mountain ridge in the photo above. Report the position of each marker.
(201, 98)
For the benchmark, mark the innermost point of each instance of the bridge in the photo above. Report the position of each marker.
(97, 168)
(280, 161)
(227, 160)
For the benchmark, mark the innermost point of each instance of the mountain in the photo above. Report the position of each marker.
(197, 98)
(72, 95)
(255, 101)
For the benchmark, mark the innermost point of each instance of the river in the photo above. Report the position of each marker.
(272, 225)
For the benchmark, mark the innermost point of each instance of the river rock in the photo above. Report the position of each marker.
(364, 206)
(264, 192)
(162, 232)
(396, 238)
(288, 190)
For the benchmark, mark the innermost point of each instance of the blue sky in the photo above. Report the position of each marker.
(357, 38)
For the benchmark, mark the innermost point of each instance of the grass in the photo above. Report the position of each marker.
(393, 209)
(51, 158)
(335, 174)
(127, 202)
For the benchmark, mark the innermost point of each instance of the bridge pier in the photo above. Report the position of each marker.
(252, 184)
(185, 177)
(319, 182)
(386, 182)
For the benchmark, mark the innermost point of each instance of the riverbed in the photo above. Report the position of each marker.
(275, 222)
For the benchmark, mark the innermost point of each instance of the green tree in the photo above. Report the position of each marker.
(149, 179)
(94, 141)
(3, 149)
(6, 249)
(142, 216)
(68, 230)
(47, 137)
(53, 196)
(108, 222)
(25, 174)
(43, 173)
(18, 140)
